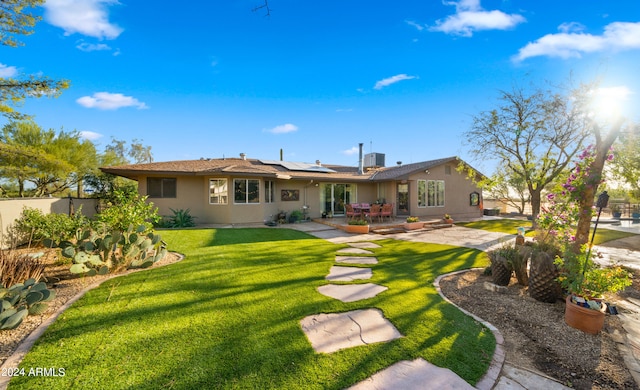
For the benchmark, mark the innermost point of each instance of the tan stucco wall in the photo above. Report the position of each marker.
(457, 195)
(193, 193)
(11, 209)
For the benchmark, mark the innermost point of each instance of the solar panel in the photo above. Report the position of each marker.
(299, 166)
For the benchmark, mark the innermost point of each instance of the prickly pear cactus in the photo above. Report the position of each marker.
(21, 300)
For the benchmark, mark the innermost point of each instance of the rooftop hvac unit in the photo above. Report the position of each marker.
(374, 160)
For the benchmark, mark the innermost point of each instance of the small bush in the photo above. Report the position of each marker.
(125, 210)
(180, 219)
(33, 226)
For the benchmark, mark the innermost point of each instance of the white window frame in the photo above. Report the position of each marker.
(269, 191)
(222, 195)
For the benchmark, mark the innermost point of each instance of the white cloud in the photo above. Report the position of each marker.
(110, 101)
(90, 135)
(571, 27)
(392, 80)
(282, 129)
(7, 71)
(470, 17)
(86, 17)
(352, 151)
(415, 25)
(617, 36)
(84, 46)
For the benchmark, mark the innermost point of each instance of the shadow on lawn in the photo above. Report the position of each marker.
(230, 318)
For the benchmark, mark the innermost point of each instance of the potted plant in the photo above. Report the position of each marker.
(586, 284)
(413, 223)
(447, 219)
(358, 226)
(616, 212)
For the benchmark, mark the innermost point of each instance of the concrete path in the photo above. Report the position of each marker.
(351, 292)
(501, 374)
(335, 331)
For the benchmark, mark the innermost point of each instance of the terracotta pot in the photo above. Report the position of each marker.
(358, 229)
(448, 221)
(413, 225)
(584, 319)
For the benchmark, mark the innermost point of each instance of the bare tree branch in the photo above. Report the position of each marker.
(264, 6)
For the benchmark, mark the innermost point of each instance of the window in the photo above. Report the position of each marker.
(246, 191)
(422, 193)
(435, 195)
(447, 169)
(218, 191)
(430, 193)
(161, 187)
(269, 191)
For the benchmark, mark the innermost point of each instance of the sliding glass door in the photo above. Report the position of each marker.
(334, 196)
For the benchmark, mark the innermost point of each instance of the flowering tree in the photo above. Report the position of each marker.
(556, 224)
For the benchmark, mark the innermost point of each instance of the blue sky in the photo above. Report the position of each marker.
(214, 78)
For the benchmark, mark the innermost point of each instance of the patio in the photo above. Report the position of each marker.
(392, 225)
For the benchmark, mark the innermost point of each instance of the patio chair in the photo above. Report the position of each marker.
(374, 212)
(387, 211)
(350, 212)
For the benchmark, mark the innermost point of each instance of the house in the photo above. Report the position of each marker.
(245, 190)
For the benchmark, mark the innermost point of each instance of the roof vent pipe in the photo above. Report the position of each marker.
(318, 163)
(243, 156)
(360, 162)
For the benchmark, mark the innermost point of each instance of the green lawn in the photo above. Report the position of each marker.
(510, 226)
(227, 316)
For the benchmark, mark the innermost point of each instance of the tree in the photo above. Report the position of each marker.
(626, 165)
(511, 190)
(14, 21)
(605, 129)
(53, 162)
(118, 153)
(533, 137)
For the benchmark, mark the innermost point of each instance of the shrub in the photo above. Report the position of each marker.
(126, 209)
(360, 222)
(413, 219)
(33, 226)
(180, 219)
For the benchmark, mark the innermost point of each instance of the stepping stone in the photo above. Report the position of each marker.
(364, 245)
(335, 331)
(415, 374)
(356, 260)
(351, 292)
(354, 251)
(348, 274)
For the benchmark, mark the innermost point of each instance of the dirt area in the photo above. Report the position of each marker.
(536, 336)
(66, 286)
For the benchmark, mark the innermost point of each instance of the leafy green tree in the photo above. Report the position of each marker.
(533, 136)
(15, 21)
(626, 164)
(53, 162)
(509, 189)
(118, 152)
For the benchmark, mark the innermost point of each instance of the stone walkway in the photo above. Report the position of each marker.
(332, 332)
